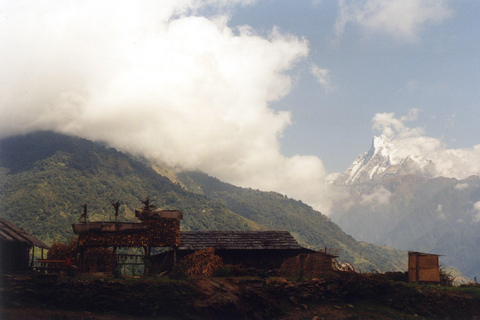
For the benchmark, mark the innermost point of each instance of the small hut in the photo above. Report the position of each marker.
(423, 267)
(15, 245)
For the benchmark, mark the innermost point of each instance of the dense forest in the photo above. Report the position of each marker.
(45, 178)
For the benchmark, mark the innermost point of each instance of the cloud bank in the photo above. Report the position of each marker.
(155, 79)
(455, 163)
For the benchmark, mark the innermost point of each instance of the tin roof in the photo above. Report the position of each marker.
(12, 233)
(237, 240)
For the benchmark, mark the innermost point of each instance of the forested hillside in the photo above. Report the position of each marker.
(45, 178)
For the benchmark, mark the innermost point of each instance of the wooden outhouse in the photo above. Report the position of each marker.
(423, 267)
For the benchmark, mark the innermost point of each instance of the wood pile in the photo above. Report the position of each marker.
(96, 259)
(159, 233)
(203, 263)
(60, 251)
(312, 265)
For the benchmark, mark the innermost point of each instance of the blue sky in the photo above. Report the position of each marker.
(372, 71)
(273, 95)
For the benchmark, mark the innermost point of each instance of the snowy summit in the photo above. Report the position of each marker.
(383, 159)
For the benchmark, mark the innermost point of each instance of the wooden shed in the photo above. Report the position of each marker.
(262, 250)
(15, 245)
(423, 267)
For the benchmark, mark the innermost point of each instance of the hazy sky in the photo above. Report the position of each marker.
(274, 95)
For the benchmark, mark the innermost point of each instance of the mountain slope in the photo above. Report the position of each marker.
(309, 227)
(45, 178)
(403, 207)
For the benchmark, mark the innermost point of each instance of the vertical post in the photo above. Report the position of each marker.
(174, 255)
(417, 265)
(33, 256)
(115, 260)
(82, 259)
(146, 258)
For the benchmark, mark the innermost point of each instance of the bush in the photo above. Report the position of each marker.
(179, 271)
(230, 270)
(446, 278)
(117, 273)
(224, 271)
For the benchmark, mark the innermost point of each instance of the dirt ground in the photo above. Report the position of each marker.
(323, 312)
(354, 297)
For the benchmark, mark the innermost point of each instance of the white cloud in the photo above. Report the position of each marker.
(402, 19)
(476, 210)
(412, 115)
(456, 163)
(323, 77)
(392, 127)
(379, 196)
(441, 214)
(152, 78)
(461, 186)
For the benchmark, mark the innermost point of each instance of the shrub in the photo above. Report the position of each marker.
(179, 271)
(446, 278)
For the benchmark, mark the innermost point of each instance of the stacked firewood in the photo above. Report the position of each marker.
(203, 263)
(163, 232)
(160, 233)
(60, 251)
(96, 259)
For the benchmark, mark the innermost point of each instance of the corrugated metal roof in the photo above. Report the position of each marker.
(10, 232)
(237, 240)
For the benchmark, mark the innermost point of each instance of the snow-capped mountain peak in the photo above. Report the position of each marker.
(383, 158)
(384, 146)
